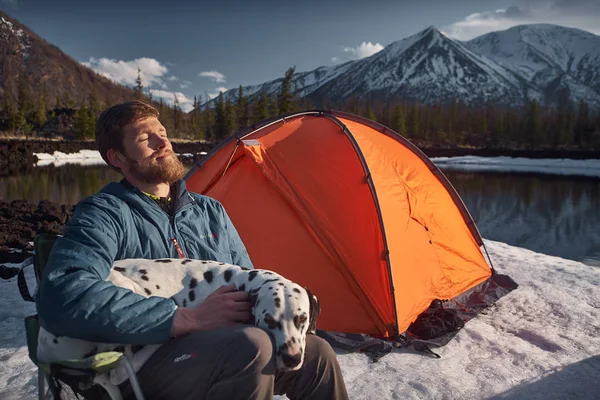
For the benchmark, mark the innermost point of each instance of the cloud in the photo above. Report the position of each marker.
(172, 78)
(582, 14)
(216, 76)
(363, 50)
(335, 59)
(185, 84)
(216, 92)
(126, 72)
(168, 97)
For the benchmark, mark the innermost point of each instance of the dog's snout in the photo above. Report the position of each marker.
(291, 360)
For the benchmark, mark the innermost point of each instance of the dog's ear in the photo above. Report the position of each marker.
(313, 313)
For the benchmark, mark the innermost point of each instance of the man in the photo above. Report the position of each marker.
(150, 214)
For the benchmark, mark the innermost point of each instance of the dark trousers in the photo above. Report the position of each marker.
(237, 363)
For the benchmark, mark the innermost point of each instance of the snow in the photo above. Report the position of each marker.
(83, 157)
(519, 164)
(464, 163)
(541, 341)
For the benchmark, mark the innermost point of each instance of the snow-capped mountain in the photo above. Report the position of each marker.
(539, 61)
(549, 57)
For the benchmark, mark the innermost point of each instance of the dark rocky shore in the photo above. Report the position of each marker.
(21, 220)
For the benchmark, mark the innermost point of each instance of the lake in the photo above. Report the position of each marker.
(550, 214)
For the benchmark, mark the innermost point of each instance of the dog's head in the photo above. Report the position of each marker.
(288, 312)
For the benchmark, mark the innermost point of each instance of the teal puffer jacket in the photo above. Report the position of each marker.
(75, 300)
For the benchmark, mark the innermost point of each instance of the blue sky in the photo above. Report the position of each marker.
(199, 47)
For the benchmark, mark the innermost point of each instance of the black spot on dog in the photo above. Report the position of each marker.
(277, 302)
(184, 303)
(221, 263)
(270, 287)
(268, 273)
(163, 261)
(242, 287)
(157, 287)
(193, 283)
(269, 281)
(252, 275)
(271, 323)
(55, 341)
(148, 292)
(227, 275)
(245, 269)
(281, 284)
(143, 271)
(293, 339)
(204, 262)
(289, 295)
(208, 276)
(192, 295)
(119, 269)
(257, 301)
(296, 290)
(145, 277)
(275, 293)
(186, 261)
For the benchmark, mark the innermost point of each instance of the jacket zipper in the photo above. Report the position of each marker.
(174, 240)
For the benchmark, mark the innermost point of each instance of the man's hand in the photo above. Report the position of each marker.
(224, 307)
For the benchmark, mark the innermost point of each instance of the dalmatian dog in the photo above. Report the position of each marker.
(286, 310)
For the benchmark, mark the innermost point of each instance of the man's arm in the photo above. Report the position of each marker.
(74, 298)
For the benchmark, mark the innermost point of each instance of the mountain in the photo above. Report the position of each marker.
(29, 60)
(551, 58)
(540, 61)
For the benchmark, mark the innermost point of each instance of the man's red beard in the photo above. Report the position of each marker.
(150, 170)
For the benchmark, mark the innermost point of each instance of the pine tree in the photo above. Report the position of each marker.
(242, 109)
(176, 115)
(534, 124)
(139, 87)
(399, 120)
(582, 124)
(369, 111)
(220, 124)
(261, 108)
(286, 101)
(9, 109)
(413, 122)
(230, 118)
(42, 109)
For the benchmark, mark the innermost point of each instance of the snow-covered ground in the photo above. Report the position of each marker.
(464, 163)
(83, 157)
(541, 341)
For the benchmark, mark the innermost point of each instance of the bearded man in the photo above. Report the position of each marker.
(150, 214)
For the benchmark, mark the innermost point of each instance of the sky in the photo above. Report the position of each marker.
(198, 48)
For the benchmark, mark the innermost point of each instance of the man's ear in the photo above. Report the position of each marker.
(115, 158)
(313, 313)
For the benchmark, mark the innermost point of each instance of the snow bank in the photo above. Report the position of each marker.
(541, 341)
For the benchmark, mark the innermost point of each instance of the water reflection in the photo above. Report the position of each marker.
(65, 185)
(549, 214)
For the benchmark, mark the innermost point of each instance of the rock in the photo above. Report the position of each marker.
(21, 220)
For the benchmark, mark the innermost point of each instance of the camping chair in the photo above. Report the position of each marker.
(84, 377)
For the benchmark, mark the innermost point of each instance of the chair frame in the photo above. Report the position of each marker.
(82, 371)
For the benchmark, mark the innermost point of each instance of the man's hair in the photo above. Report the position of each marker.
(109, 127)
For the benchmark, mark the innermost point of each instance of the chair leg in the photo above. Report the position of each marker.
(41, 385)
(135, 384)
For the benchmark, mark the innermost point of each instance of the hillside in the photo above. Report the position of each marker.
(36, 67)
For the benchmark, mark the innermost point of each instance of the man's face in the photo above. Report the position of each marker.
(149, 154)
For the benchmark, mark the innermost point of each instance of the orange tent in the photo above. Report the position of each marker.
(349, 209)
